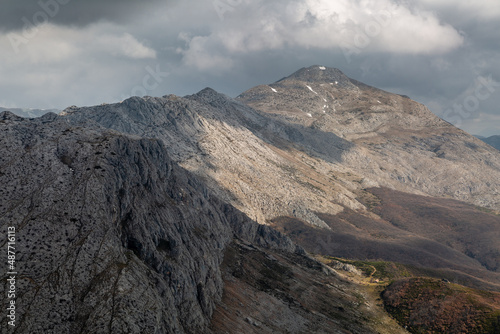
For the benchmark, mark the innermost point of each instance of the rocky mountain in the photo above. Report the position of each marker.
(398, 143)
(166, 191)
(112, 236)
(277, 161)
(492, 141)
(240, 153)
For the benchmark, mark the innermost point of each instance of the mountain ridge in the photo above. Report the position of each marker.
(114, 237)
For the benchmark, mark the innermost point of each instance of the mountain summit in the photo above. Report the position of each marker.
(388, 130)
(319, 74)
(326, 98)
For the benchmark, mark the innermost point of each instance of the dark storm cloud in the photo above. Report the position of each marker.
(434, 51)
(15, 13)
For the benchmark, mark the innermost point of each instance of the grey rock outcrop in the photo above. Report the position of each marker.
(345, 267)
(328, 135)
(299, 156)
(112, 235)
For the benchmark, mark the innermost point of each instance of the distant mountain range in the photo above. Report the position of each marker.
(201, 214)
(492, 141)
(29, 113)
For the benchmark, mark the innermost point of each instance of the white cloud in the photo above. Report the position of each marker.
(45, 44)
(198, 54)
(483, 124)
(51, 44)
(59, 66)
(125, 45)
(360, 26)
(416, 52)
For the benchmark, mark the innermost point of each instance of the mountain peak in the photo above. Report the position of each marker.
(210, 96)
(207, 91)
(318, 73)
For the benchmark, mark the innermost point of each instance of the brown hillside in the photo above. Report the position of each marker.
(432, 306)
(422, 231)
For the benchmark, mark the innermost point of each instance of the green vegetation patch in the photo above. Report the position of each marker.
(382, 270)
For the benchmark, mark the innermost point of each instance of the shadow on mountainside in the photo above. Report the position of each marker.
(310, 140)
(181, 122)
(459, 239)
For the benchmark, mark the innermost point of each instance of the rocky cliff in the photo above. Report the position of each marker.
(242, 155)
(326, 134)
(112, 236)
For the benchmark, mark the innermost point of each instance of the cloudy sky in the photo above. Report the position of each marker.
(443, 53)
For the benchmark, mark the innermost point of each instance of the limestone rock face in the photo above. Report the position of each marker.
(329, 100)
(261, 166)
(112, 236)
